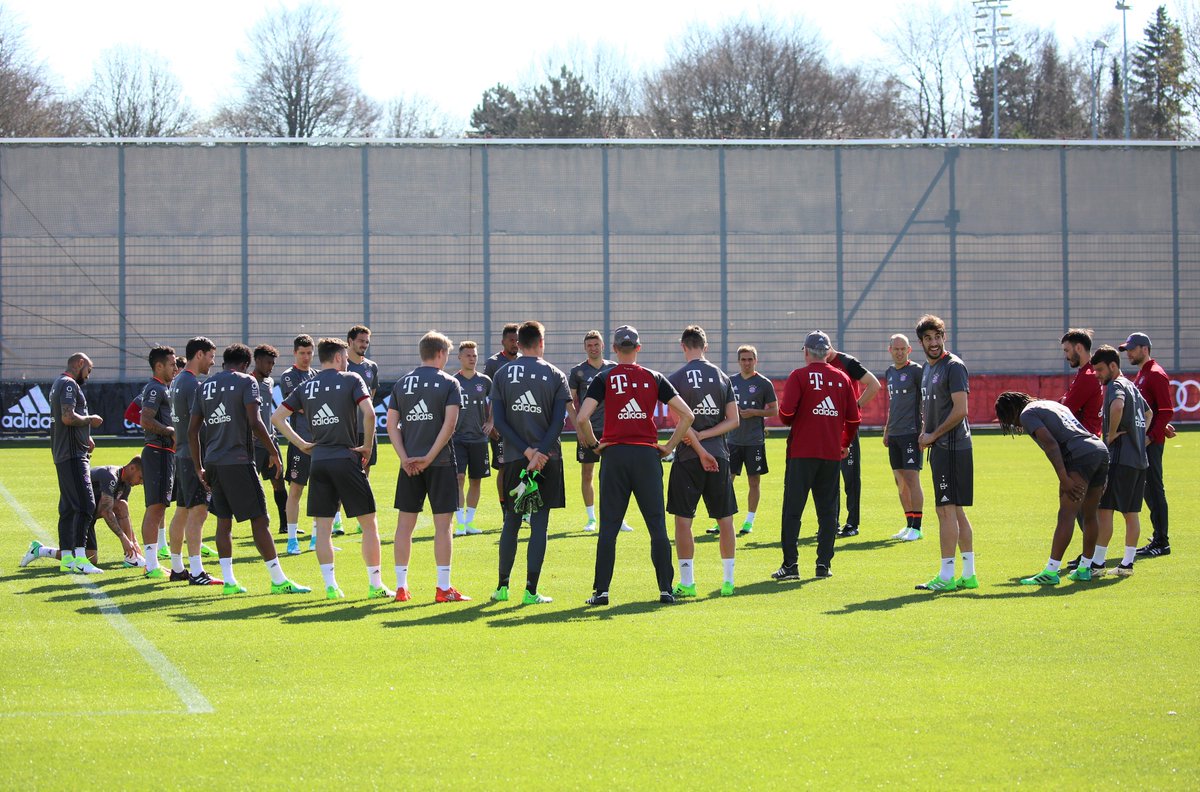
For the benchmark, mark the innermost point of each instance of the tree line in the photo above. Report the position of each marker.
(760, 79)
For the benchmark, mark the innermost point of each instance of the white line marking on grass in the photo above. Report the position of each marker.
(180, 685)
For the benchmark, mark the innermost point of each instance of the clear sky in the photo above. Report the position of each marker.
(451, 52)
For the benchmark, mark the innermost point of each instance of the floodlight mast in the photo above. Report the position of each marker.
(1123, 6)
(993, 12)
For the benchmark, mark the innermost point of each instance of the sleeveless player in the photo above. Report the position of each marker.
(701, 466)
(865, 387)
(158, 459)
(632, 457)
(529, 404)
(340, 410)
(1124, 416)
(298, 462)
(420, 422)
(748, 442)
(1081, 461)
(264, 364)
(946, 432)
(70, 445)
(903, 379)
(471, 436)
(578, 380)
(228, 405)
(191, 498)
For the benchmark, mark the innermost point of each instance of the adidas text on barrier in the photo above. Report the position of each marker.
(31, 411)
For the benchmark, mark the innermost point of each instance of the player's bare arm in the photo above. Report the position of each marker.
(279, 419)
(254, 419)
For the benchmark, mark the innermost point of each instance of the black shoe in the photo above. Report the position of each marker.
(179, 577)
(848, 530)
(1073, 564)
(666, 597)
(299, 532)
(598, 598)
(823, 571)
(786, 573)
(712, 531)
(203, 579)
(1153, 549)
(1099, 570)
(1123, 570)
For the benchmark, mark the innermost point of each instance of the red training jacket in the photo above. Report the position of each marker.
(1085, 398)
(819, 404)
(1155, 386)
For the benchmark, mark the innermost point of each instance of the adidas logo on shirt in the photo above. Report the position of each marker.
(707, 407)
(631, 411)
(419, 412)
(32, 411)
(325, 417)
(526, 403)
(825, 408)
(219, 416)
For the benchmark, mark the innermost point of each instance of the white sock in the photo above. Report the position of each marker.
(227, 570)
(1130, 555)
(686, 572)
(337, 517)
(151, 551)
(947, 570)
(162, 536)
(443, 577)
(276, 571)
(1100, 556)
(327, 575)
(401, 576)
(195, 564)
(1052, 565)
(728, 564)
(968, 560)
(375, 576)
(81, 555)
(292, 529)
(176, 562)
(1085, 563)
(470, 514)
(750, 517)
(591, 512)
(47, 552)
(460, 516)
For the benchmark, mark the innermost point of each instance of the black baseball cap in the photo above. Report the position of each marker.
(817, 341)
(626, 337)
(1135, 339)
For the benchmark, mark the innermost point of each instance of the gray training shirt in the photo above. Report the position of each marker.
(579, 379)
(1130, 448)
(472, 416)
(156, 398)
(290, 380)
(529, 388)
(421, 397)
(368, 370)
(1073, 439)
(938, 381)
(221, 402)
(183, 391)
(68, 442)
(266, 389)
(331, 401)
(753, 393)
(904, 400)
(106, 480)
(708, 391)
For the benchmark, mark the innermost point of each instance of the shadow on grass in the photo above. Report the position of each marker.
(1012, 589)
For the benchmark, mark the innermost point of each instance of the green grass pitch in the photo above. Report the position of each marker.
(850, 682)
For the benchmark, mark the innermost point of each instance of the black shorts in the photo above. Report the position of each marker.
(953, 476)
(189, 491)
(298, 466)
(158, 475)
(237, 492)
(754, 457)
(472, 459)
(339, 481)
(1126, 488)
(374, 449)
(438, 483)
(497, 453)
(689, 482)
(552, 484)
(904, 453)
(1093, 468)
(262, 462)
(585, 455)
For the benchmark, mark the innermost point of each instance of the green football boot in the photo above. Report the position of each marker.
(333, 593)
(727, 589)
(682, 591)
(1043, 578)
(535, 599)
(230, 589)
(158, 573)
(1081, 573)
(379, 592)
(937, 584)
(500, 594)
(66, 563)
(288, 587)
(968, 582)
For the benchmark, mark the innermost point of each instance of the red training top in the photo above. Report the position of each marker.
(1155, 386)
(819, 404)
(1085, 398)
(628, 395)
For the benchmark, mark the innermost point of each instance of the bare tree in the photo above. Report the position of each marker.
(30, 106)
(418, 117)
(1189, 22)
(606, 73)
(134, 94)
(927, 45)
(298, 81)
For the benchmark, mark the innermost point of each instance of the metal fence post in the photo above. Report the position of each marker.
(837, 221)
(952, 221)
(1066, 250)
(245, 211)
(607, 253)
(1, 268)
(724, 263)
(366, 239)
(487, 254)
(1175, 255)
(122, 314)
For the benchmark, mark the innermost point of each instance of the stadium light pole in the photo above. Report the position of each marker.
(1097, 51)
(993, 12)
(1124, 7)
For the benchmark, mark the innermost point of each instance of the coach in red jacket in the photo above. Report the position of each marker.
(819, 405)
(1155, 388)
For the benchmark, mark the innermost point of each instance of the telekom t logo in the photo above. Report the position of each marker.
(515, 372)
(410, 384)
(694, 378)
(619, 383)
(816, 378)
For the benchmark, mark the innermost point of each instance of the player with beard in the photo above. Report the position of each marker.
(158, 459)
(1155, 387)
(71, 444)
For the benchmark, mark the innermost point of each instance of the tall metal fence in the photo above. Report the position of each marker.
(110, 247)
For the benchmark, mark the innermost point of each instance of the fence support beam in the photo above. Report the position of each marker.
(1175, 307)
(487, 253)
(724, 264)
(606, 251)
(366, 239)
(839, 231)
(245, 211)
(122, 313)
(1066, 246)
